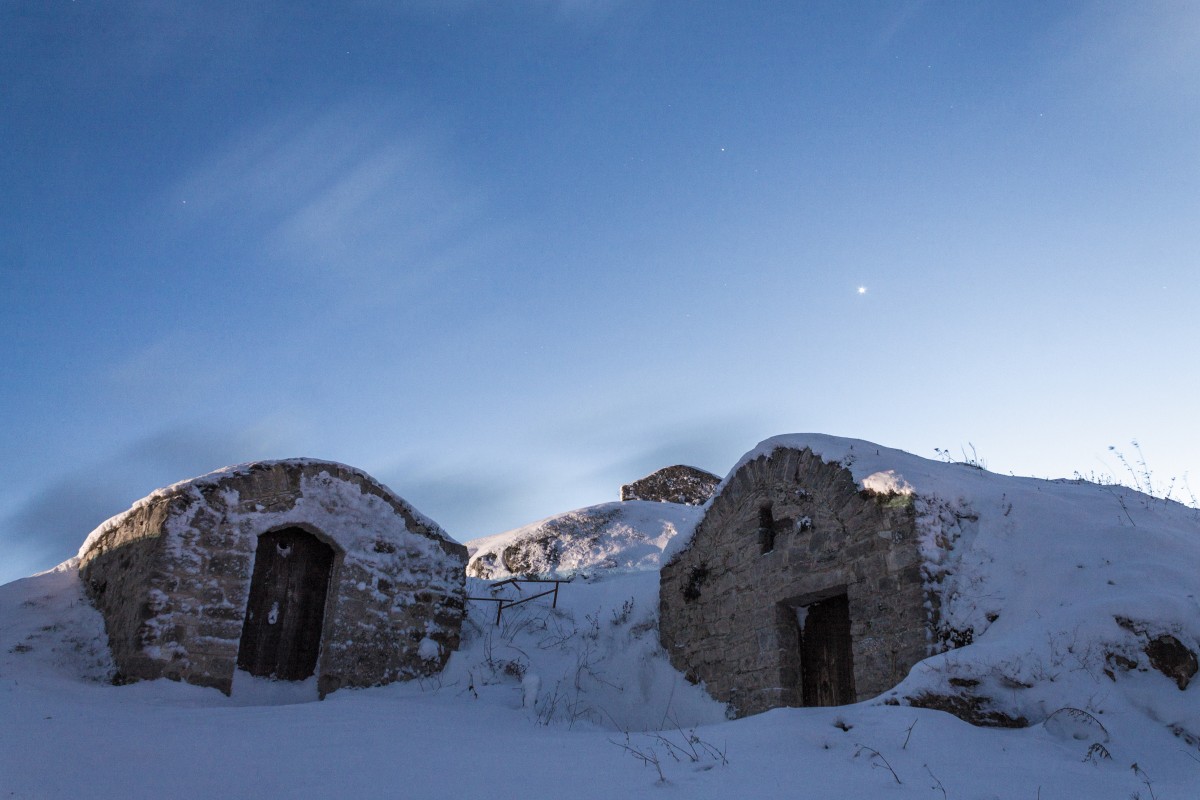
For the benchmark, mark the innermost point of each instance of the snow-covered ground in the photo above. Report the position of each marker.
(611, 537)
(580, 702)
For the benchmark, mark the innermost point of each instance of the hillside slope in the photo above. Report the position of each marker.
(621, 536)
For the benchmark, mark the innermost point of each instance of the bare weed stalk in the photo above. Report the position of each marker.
(937, 784)
(1141, 773)
(875, 754)
(646, 755)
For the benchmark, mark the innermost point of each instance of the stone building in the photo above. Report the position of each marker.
(677, 484)
(282, 569)
(798, 588)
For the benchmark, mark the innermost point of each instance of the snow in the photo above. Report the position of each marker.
(579, 701)
(429, 650)
(887, 482)
(475, 732)
(317, 495)
(622, 536)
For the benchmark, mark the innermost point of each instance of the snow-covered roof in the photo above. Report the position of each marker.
(196, 486)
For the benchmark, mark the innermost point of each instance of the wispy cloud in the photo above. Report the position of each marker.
(1143, 51)
(628, 442)
(898, 17)
(353, 190)
(468, 500)
(712, 443)
(51, 524)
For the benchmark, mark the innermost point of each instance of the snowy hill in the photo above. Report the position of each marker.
(1062, 589)
(621, 536)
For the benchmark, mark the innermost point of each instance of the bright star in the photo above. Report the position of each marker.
(862, 290)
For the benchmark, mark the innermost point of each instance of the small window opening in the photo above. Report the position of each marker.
(766, 529)
(696, 578)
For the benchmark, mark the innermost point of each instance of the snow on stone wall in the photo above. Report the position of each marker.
(1042, 593)
(172, 575)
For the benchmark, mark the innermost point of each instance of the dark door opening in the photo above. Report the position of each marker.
(826, 660)
(281, 636)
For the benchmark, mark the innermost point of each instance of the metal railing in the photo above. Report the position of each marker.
(507, 602)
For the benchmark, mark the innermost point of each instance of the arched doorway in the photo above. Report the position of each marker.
(281, 635)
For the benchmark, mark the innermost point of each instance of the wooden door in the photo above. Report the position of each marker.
(281, 636)
(826, 660)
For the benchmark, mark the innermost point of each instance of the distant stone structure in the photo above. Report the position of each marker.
(280, 568)
(677, 484)
(797, 589)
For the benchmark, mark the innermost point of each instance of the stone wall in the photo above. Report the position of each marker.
(677, 484)
(172, 575)
(786, 531)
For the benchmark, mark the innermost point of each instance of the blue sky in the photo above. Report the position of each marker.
(508, 256)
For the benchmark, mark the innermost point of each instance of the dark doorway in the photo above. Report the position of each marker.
(281, 636)
(826, 661)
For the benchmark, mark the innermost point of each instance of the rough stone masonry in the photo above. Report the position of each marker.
(755, 606)
(677, 484)
(172, 578)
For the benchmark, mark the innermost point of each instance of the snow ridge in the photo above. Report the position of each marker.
(622, 536)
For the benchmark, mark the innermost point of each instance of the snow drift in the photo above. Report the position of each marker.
(624, 536)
